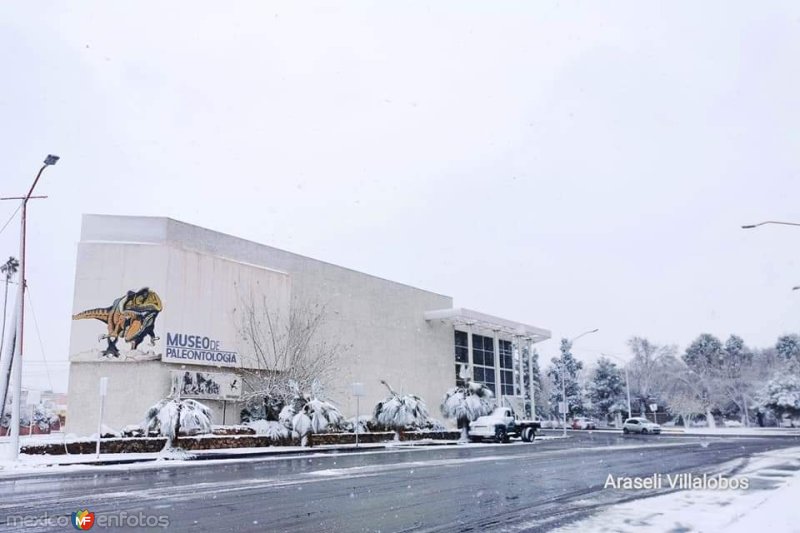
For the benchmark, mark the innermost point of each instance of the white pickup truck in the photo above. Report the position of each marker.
(501, 425)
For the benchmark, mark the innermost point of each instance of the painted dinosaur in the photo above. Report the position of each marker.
(131, 317)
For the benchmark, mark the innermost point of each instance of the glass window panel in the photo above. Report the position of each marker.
(478, 374)
(462, 354)
(461, 338)
(477, 341)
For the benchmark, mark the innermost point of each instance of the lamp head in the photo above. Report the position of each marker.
(749, 226)
(51, 159)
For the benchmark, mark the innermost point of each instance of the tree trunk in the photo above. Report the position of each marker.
(746, 414)
(177, 423)
(464, 434)
(712, 424)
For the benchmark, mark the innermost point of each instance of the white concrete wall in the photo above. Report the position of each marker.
(380, 321)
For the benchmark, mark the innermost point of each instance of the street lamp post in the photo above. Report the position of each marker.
(17, 360)
(564, 381)
(752, 226)
(627, 381)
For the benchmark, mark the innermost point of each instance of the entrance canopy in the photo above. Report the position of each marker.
(468, 317)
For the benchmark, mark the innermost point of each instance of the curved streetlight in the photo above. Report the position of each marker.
(751, 226)
(564, 381)
(16, 368)
(627, 381)
(583, 334)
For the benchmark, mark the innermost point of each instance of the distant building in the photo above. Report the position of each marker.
(159, 304)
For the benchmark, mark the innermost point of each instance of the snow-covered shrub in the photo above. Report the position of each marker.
(433, 425)
(401, 411)
(261, 408)
(171, 415)
(365, 423)
(467, 403)
(307, 413)
(782, 395)
(132, 430)
(269, 428)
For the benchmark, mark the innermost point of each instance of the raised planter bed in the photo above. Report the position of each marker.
(221, 442)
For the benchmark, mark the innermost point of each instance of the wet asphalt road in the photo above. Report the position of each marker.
(512, 487)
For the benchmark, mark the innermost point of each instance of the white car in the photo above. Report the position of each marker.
(640, 425)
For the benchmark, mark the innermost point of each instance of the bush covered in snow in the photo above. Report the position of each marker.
(400, 412)
(269, 428)
(171, 415)
(307, 413)
(782, 395)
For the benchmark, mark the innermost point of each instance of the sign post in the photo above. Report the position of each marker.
(654, 407)
(103, 392)
(33, 399)
(358, 392)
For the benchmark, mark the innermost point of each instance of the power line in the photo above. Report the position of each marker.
(11, 218)
(38, 334)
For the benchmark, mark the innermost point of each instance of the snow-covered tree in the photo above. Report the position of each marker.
(401, 411)
(533, 380)
(736, 376)
(467, 403)
(606, 390)
(566, 367)
(171, 415)
(782, 395)
(704, 359)
(293, 348)
(788, 348)
(645, 371)
(306, 414)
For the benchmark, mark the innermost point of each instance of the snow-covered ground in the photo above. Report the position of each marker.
(770, 504)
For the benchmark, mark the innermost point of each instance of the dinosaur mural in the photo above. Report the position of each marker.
(131, 317)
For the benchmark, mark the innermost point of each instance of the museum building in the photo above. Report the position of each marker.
(164, 307)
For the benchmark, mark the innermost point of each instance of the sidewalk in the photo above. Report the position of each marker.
(769, 504)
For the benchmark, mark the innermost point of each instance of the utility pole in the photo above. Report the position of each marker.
(16, 363)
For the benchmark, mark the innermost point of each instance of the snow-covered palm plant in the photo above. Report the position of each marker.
(401, 411)
(467, 403)
(170, 415)
(269, 428)
(307, 413)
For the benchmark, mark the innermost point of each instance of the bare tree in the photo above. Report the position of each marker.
(645, 370)
(286, 349)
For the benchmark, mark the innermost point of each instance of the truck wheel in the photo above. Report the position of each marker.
(528, 434)
(500, 434)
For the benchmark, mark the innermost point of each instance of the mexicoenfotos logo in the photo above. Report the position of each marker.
(83, 520)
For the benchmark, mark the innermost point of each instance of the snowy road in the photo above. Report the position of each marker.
(510, 487)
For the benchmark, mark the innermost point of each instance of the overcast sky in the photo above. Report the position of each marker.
(568, 165)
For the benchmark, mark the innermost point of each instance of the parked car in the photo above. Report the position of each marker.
(583, 422)
(640, 425)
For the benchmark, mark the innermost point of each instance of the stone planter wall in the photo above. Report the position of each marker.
(221, 442)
